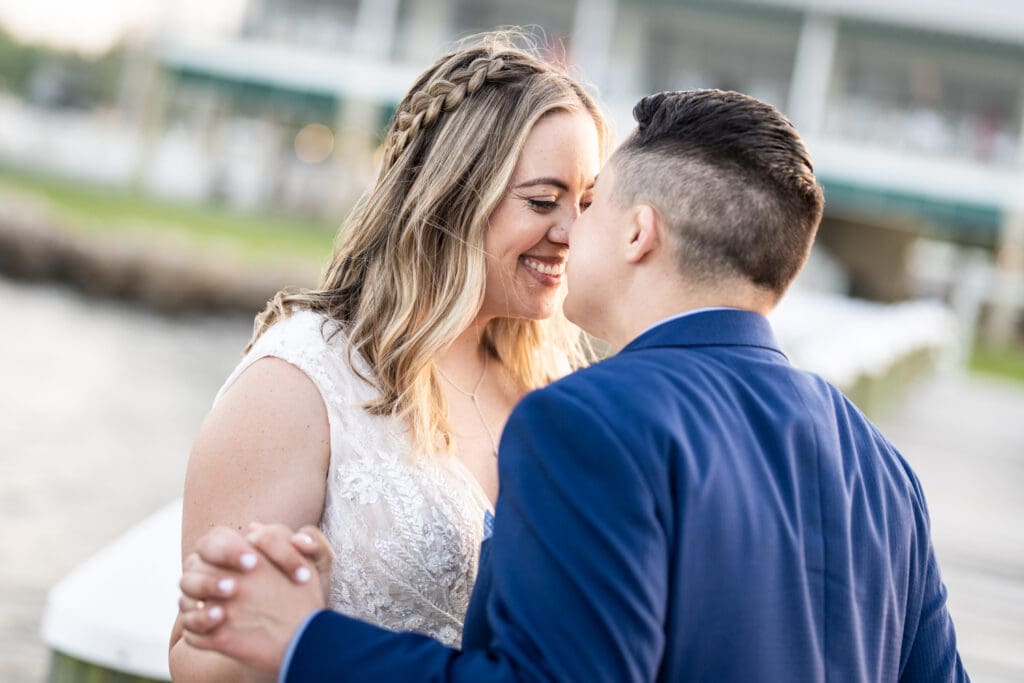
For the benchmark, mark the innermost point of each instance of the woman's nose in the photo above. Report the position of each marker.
(559, 232)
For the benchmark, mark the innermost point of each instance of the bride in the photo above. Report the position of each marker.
(372, 406)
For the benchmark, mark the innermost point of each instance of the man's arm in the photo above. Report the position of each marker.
(932, 654)
(579, 572)
(580, 555)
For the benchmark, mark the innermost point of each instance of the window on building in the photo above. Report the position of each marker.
(942, 95)
(551, 22)
(746, 49)
(327, 24)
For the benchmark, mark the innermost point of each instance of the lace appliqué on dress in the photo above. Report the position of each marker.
(405, 529)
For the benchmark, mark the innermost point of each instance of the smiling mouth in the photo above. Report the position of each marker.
(550, 269)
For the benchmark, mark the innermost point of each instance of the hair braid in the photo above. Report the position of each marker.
(422, 108)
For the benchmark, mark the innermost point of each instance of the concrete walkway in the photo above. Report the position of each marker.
(964, 436)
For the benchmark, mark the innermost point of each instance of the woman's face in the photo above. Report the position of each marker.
(527, 238)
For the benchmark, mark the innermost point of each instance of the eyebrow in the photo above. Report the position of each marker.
(553, 182)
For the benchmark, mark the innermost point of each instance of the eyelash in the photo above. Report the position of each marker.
(543, 205)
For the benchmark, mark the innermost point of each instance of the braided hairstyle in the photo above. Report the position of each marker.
(408, 272)
(444, 93)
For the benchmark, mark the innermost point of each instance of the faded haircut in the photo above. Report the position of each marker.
(732, 179)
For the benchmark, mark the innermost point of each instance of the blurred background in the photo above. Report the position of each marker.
(167, 166)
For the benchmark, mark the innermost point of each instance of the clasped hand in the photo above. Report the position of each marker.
(245, 596)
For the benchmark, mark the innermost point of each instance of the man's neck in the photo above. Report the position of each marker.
(667, 302)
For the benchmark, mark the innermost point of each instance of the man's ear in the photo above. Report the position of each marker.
(644, 232)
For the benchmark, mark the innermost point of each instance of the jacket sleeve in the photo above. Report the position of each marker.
(579, 569)
(930, 653)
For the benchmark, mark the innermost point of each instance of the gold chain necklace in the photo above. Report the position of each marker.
(475, 399)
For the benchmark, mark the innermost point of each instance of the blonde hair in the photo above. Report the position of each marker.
(408, 271)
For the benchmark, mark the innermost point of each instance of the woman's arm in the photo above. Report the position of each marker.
(262, 454)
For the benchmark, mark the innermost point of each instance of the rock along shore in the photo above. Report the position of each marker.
(160, 274)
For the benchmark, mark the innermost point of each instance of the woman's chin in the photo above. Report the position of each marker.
(538, 312)
(548, 309)
(526, 303)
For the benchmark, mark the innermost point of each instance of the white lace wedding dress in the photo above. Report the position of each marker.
(406, 530)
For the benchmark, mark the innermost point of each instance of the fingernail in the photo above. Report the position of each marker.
(302, 574)
(225, 586)
(303, 538)
(216, 613)
(248, 560)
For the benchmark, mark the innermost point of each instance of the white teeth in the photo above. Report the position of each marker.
(544, 267)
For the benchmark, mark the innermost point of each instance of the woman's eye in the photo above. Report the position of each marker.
(542, 204)
(585, 205)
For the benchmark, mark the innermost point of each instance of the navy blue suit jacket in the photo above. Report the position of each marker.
(692, 509)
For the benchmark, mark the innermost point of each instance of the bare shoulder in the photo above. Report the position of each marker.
(270, 389)
(261, 454)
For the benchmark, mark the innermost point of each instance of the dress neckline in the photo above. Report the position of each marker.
(471, 479)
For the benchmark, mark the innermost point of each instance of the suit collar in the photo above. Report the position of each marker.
(718, 327)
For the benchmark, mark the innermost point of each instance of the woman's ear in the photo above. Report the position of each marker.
(644, 232)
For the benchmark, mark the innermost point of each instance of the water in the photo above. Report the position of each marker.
(99, 403)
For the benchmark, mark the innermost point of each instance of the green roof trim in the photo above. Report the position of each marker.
(252, 92)
(950, 218)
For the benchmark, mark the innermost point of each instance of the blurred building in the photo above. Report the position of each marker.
(914, 116)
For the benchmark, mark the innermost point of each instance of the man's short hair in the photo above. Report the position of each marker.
(731, 177)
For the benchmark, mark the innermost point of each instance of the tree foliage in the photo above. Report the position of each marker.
(59, 77)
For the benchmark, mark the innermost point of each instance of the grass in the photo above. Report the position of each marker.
(103, 212)
(1002, 362)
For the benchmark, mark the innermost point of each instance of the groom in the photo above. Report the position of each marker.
(691, 509)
